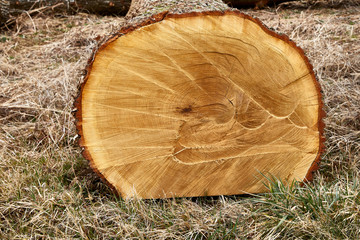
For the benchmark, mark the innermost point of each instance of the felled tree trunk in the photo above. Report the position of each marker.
(257, 4)
(187, 103)
(15, 7)
(119, 7)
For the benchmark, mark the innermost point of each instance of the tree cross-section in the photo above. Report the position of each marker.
(199, 104)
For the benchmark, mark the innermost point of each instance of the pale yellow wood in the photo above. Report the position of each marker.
(199, 106)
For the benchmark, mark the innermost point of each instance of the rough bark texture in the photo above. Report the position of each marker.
(4, 10)
(257, 4)
(121, 7)
(15, 7)
(141, 10)
(199, 103)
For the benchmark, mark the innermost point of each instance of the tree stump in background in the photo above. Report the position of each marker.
(199, 104)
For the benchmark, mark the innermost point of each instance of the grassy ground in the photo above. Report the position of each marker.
(47, 189)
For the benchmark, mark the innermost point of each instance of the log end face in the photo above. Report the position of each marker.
(200, 109)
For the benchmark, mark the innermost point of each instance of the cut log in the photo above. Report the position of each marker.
(15, 7)
(199, 104)
(119, 7)
(92, 6)
(257, 4)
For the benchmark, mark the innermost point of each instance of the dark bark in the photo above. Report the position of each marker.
(93, 6)
(15, 7)
(4, 10)
(119, 7)
(254, 3)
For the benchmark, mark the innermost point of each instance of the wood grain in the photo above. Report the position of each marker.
(199, 104)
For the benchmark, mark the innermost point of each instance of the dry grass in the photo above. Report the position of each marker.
(48, 191)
